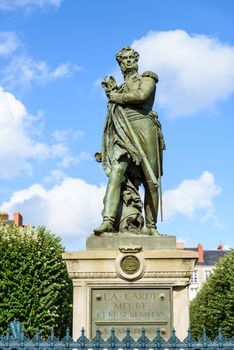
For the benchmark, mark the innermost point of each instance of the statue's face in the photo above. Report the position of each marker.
(128, 61)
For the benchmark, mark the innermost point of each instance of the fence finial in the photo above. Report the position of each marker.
(16, 329)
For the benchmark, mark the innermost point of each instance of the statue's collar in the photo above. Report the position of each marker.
(131, 76)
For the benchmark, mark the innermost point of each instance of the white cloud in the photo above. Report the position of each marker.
(9, 42)
(69, 160)
(195, 71)
(11, 5)
(18, 148)
(67, 134)
(55, 176)
(65, 70)
(23, 70)
(70, 209)
(192, 198)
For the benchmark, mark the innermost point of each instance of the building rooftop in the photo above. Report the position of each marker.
(17, 218)
(210, 257)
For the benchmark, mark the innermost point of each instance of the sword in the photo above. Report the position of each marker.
(159, 174)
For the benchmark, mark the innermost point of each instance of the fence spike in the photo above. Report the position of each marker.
(8, 334)
(82, 338)
(189, 334)
(113, 343)
(37, 337)
(15, 328)
(143, 339)
(112, 339)
(22, 333)
(173, 334)
(220, 338)
(189, 339)
(52, 337)
(128, 339)
(158, 339)
(67, 333)
(128, 333)
(205, 339)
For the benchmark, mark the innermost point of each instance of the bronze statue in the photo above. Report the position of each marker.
(132, 149)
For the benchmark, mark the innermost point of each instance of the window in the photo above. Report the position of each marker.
(192, 293)
(194, 277)
(207, 274)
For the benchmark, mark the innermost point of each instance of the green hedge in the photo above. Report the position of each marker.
(213, 307)
(34, 285)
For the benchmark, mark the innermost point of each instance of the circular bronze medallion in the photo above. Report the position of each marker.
(130, 264)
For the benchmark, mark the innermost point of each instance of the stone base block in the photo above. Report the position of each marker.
(116, 240)
(130, 286)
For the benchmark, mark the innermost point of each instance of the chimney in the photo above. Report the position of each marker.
(180, 245)
(200, 253)
(18, 219)
(220, 246)
(4, 217)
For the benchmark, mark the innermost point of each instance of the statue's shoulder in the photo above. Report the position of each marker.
(150, 74)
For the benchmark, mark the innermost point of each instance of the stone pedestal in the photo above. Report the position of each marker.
(130, 284)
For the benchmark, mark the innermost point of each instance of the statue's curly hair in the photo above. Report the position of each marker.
(125, 49)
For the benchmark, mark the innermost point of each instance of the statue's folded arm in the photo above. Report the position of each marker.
(142, 93)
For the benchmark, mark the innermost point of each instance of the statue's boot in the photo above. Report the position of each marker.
(153, 232)
(106, 226)
(112, 197)
(151, 208)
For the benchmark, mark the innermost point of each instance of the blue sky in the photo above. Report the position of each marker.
(53, 55)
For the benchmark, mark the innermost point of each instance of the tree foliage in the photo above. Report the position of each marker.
(213, 307)
(34, 284)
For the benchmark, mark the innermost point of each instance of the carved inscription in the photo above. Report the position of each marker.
(134, 308)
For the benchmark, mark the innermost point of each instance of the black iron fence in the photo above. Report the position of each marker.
(15, 339)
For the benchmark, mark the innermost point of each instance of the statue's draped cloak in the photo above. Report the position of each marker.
(117, 141)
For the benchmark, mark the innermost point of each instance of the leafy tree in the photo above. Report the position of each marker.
(34, 284)
(213, 307)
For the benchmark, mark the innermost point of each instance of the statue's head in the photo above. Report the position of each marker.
(127, 59)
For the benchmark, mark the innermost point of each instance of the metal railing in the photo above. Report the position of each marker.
(15, 339)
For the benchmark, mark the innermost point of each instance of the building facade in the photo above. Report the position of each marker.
(204, 267)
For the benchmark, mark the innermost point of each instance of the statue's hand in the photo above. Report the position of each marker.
(98, 157)
(116, 97)
(109, 84)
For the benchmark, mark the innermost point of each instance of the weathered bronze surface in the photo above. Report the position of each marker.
(130, 264)
(132, 147)
(134, 307)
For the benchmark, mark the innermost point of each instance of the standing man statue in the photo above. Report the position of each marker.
(132, 148)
